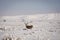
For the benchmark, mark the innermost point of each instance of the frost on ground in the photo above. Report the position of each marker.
(30, 27)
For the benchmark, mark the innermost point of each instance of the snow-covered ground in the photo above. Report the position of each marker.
(45, 27)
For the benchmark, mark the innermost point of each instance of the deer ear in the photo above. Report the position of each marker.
(30, 21)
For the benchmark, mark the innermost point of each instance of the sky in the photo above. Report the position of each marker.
(23, 7)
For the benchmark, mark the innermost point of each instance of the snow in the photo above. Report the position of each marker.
(45, 27)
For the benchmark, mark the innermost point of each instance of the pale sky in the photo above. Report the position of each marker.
(22, 7)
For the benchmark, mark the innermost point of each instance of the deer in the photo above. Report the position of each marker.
(28, 25)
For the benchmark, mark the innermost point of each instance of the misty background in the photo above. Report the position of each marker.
(23, 7)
